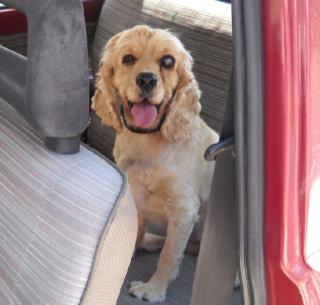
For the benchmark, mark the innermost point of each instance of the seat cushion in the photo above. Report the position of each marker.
(62, 234)
(205, 29)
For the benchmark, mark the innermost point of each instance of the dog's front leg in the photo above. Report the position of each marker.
(178, 233)
(141, 229)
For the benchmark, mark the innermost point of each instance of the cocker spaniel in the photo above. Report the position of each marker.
(147, 92)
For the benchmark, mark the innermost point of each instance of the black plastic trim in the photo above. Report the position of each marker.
(249, 135)
(214, 150)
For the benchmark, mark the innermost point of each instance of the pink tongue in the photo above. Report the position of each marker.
(144, 114)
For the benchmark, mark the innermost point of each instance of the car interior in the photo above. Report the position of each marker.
(67, 220)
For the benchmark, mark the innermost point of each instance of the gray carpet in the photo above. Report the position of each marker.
(179, 292)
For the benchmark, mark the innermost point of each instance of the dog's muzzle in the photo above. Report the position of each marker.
(141, 130)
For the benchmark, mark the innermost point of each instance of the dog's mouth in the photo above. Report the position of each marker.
(144, 116)
(144, 113)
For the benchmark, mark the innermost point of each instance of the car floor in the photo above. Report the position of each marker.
(179, 292)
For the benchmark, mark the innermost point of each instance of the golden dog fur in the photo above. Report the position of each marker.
(167, 173)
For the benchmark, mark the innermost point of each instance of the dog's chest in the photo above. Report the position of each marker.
(152, 189)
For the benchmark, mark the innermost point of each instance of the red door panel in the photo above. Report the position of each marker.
(292, 127)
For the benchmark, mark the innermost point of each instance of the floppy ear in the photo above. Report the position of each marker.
(184, 107)
(104, 99)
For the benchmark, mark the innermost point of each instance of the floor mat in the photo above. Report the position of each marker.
(179, 292)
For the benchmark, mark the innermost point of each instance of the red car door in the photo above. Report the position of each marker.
(292, 151)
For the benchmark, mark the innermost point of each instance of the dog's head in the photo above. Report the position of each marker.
(145, 82)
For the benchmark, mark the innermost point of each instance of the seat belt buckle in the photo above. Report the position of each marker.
(214, 150)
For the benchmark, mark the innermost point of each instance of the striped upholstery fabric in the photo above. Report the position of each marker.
(58, 218)
(205, 29)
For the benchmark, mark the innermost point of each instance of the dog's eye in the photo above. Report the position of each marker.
(167, 61)
(128, 59)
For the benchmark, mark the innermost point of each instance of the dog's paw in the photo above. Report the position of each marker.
(150, 292)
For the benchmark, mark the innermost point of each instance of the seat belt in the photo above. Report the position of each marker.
(217, 261)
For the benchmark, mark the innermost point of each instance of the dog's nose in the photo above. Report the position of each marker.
(146, 81)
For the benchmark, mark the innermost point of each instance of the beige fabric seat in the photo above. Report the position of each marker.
(68, 223)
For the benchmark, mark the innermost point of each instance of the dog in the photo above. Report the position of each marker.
(146, 91)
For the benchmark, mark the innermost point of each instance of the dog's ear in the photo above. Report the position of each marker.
(104, 99)
(184, 106)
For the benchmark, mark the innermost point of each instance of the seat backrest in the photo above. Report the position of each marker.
(205, 29)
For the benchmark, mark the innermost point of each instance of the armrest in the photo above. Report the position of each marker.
(51, 88)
